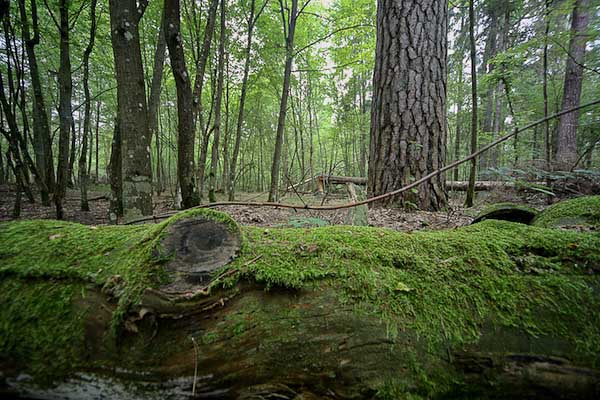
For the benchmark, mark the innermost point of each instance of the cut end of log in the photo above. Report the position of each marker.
(198, 246)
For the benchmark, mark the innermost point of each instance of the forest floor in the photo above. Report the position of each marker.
(394, 218)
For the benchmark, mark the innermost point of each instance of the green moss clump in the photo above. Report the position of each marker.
(582, 211)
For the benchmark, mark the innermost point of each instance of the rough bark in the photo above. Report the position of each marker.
(87, 114)
(132, 109)
(214, 157)
(473, 52)
(41, 128)
(64, 110)
(566, 149)
(289, 27)
(408, 116)
(187, 134)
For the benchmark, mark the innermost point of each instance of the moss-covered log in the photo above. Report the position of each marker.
(496, 309)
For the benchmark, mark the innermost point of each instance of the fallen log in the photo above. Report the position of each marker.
(496, 309)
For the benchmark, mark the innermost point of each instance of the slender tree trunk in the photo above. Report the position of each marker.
(290, 23)
(547, 138)
(186, 138)
(87, 118)
(115, 175)
(473, 51)
(408, 116)
(64, 111)
(154, 99)
(226, 137)
(41, 127)
(214, 157)
(132, 111)
(97, 177)
(566, 151)
(203, 59)
(240, 120)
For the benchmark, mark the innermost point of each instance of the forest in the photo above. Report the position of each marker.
(300, 199)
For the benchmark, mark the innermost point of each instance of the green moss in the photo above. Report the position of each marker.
(584, 211)
(444, 286)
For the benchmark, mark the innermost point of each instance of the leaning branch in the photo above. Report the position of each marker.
(385, 195)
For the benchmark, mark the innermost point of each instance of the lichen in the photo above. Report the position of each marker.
(443, 286)
(581, 211)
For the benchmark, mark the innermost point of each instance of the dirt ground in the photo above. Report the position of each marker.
(394, 218)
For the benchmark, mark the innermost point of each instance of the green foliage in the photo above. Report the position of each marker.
(306, 222)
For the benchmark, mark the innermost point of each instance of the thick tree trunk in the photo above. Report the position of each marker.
(214, 156)
(41, 128)
(437, 321)
(566, 150)
(187, 134)
(408, 116)
(64, 111)
(132, 110)
(87, 116)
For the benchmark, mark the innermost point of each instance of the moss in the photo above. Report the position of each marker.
(581, 211)
(443, 286)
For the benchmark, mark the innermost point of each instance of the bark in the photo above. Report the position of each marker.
(87, 116)
(154, 99)
(132, 109)
(214, 157)
(187, 135)
(566, 150)
(289, 26)
(460, 97)
(64, 110)
(473, 51)
(408, 116)
(115, 175)
(41, 127)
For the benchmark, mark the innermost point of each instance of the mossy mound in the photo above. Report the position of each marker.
(443, 290)
(507, 212)
(581, 211)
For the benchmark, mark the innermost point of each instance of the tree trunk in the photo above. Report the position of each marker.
(87, 117)
(408, 116)
(41, 127)
(473, 51)
(495, 310)
(203, 60)
(64, 111)
(566, 150)
(289, 24)
(154, 99)
(187, 135)
(115, 175)
(240, 119)
(97, 176)
(214, 157)
(132, 111)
